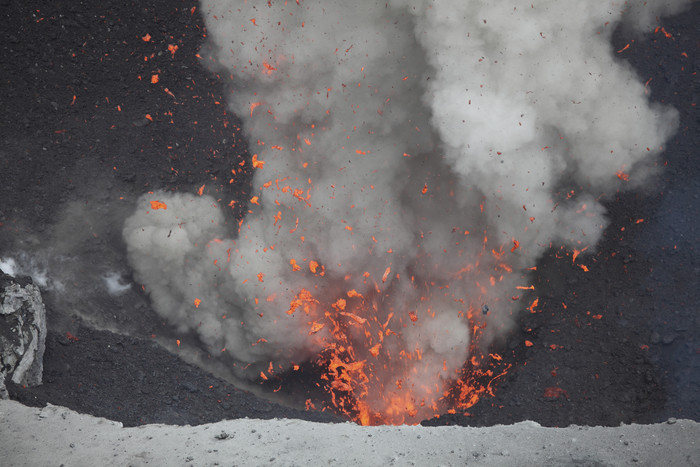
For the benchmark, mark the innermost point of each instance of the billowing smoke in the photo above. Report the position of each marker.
(412, 160)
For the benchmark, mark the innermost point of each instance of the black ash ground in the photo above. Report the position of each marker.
(85, 132)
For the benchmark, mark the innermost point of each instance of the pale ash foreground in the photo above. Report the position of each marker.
(56, 435)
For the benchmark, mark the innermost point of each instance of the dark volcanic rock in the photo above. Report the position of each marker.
(135, 381)
(22, 332)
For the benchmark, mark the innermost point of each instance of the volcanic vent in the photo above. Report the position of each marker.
(412, 163)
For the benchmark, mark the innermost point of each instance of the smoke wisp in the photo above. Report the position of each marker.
(413, 159)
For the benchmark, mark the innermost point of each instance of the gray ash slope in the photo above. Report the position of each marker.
(72, 167)
(137, 382)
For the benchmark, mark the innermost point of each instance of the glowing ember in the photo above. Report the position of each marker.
(373, 379)
(158, 205)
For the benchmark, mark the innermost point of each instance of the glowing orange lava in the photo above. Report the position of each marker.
(371, 379)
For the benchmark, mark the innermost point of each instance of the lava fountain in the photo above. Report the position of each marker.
(413, 160)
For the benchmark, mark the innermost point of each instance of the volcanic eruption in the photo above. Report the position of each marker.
(413, 160)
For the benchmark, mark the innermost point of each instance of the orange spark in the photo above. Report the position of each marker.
(257, 164)
(158, 205)
(354, 293)
(295, 266)
(516, 245)
(386, 274)
(303, 297)
(268, 68)
(354, 317)
(312, 266)
(253, 105)
(533, 305)
(315, 327)
(668, 35)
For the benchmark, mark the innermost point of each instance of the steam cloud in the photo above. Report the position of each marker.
(448, 143)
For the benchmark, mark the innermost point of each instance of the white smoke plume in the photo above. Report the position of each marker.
(419, 154)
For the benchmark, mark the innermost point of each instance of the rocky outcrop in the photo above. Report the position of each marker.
(22, 332)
